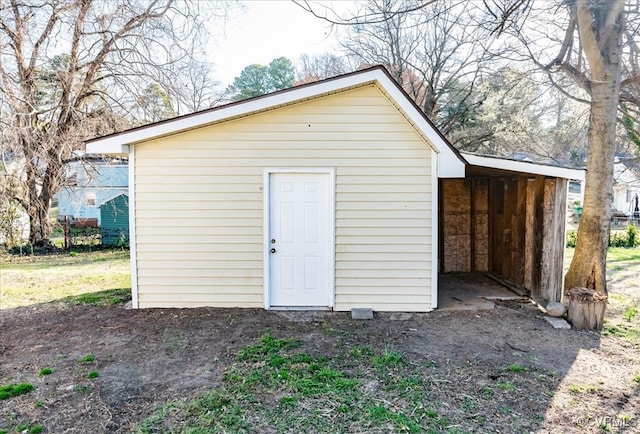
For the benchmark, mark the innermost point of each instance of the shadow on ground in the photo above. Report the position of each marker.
(568, 380)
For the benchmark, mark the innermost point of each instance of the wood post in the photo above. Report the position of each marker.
(67, 233)
(553, 238)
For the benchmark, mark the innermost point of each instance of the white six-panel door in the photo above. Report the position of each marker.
(299, 244)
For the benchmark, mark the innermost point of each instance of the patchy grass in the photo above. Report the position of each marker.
(108, 297)
(516, 368)
(630, 313)
(45, 371)
(624, 264)
(581, 388)
(622, 319)
(274, 385)
(11, 390)
(26, 428)
(97, 278)
(506, 386)
(628, 331)
(89, 358)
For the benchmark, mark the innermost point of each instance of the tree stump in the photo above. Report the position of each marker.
(586, 308)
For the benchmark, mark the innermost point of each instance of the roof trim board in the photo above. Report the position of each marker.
(450, 163)
(524, 167)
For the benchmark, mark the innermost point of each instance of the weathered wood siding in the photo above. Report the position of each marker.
(199, 204)
(553, 239)
(512, 226)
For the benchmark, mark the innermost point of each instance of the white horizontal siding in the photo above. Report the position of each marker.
(388, 170)
(199, 204)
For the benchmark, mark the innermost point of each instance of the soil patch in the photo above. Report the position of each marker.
(569, 381)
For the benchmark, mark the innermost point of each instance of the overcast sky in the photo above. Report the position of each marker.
(266, 30)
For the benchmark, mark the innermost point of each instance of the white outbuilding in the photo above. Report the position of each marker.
(322, 196)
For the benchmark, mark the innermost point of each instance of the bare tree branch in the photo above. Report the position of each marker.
(109, 53)
(362, 18)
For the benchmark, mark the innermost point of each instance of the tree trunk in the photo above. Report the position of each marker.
(600, 27)
(38, 199)
(588, 267)
(39, 225)
(42, 226)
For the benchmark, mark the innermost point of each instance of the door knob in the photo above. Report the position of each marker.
(273, 250)
(273, 241)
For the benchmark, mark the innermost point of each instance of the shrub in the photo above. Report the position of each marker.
(633, 237)
(618, 239)
(630, 238)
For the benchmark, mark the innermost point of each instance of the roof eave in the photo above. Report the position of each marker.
(107, 147)
(525, 167)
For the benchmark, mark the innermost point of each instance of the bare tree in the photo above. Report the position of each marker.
(194, 88)
(504, 116)
(318, 67)
(70, 69)
(566, 134)
(593, 45)
(516, 114)
(153, 105)
(599, 27)
(455, 70)
(434, 50)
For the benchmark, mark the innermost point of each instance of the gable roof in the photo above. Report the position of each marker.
(450, 163)
(626, 172)
(111, 197)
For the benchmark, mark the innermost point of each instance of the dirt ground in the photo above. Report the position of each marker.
(573, 381)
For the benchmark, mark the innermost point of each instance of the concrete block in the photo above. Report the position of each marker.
(557, 323)
(362, 313)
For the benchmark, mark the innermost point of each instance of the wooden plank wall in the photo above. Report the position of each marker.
(456, 227)
(480, 225)
(519, 234)
(506, 218)
(496, 225)
(553, 239)
(465, 225)
(512, 226)
(517, 219)
(533, 235)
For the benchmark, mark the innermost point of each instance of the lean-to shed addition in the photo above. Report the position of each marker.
(507, 218)
(323, 196)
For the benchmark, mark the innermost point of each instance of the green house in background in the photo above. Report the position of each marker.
(114, 221)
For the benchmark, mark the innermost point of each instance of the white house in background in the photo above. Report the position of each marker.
(626, 187)
(336, 195)
(89, 185)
